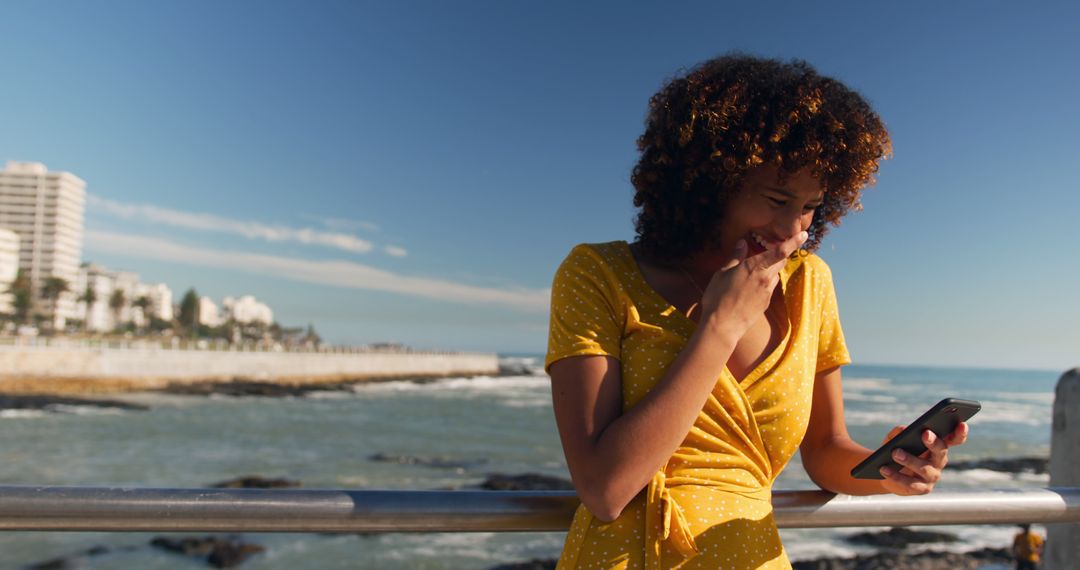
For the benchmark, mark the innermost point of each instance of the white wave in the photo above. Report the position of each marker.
(18, 413)
(1046, 398)
(1014, 413)
(856, 383)
(472, 545)
(84, 410)
(976, 477)
(330, 395)
(538, 402)
(476, 384)
(812, 549)
(535, 365)
(860, 397)
(496, 382)
(1042, 479)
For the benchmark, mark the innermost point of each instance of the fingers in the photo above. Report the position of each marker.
(771, 258)
(904, 484)
(918, 475)
(958, 436)
(738, 256)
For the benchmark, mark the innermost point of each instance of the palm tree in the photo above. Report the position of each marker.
(144, 303)
(116, 302)
(22, 297)
(51, 291)
(89, 297)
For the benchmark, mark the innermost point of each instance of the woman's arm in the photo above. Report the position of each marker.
(829, 454)
(612, 455)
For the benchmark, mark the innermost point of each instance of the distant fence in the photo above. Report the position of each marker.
(217, 345)
(65, 366)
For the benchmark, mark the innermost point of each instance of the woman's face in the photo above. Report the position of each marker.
(766, 212)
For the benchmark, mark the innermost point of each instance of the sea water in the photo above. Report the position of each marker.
(476, 426)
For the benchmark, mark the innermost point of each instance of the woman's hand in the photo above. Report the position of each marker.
(919, 474)
(741, 290)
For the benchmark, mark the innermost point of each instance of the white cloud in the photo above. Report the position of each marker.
(342, 224)
(213, 223)
(395, 251)
(346, 274)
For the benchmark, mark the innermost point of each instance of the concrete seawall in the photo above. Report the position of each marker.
(56, 370)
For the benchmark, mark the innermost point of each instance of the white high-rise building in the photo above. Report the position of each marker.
(45, 209)
(9, 267)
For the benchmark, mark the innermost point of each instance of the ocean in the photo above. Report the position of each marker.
(477, 426)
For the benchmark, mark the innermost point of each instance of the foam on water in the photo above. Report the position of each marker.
(23, 414)
(85, 410)
(1004, 412)
(990, 479)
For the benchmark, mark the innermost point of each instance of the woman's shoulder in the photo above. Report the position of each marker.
(612, 254)
(810, 265)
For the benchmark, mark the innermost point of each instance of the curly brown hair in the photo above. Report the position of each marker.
(708, 127)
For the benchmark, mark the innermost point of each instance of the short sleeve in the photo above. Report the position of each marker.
(584, 315)
(832, 350)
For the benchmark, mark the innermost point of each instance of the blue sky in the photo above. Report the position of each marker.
(415, 171)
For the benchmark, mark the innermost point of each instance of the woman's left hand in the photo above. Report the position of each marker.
(919, 474)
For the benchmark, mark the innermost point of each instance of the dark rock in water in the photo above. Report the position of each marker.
(1038, 465)
(900, 537)
(526, 482)
(60, 563)
(911, 561)
(534, 564)
(69, 562)
(437, 462)
(239, 388)
(54, 403)
(255, 482)
(219, 552)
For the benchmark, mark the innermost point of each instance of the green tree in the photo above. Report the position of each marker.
(117, 301)
(189, 311)
(312, 337)
(51, 291)
(144, 303)
(22, 293)
(89, 297)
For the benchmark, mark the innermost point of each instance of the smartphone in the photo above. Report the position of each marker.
(941, 419)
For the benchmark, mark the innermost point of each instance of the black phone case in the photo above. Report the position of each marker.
(941, 419)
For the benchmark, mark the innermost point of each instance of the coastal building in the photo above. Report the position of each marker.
(247, 309)
(108, 299)
(45, 210)
(160, 296)
(9, 268)
(93, 288)
(208, 314)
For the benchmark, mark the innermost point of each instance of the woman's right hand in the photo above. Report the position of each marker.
(741, 290)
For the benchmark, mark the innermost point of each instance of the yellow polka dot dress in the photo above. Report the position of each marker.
(710, 505)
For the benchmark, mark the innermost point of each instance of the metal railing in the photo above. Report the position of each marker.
(295, 510)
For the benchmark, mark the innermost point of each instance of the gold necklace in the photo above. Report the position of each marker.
(693, 282)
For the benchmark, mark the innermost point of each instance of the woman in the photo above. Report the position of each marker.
(687, 367)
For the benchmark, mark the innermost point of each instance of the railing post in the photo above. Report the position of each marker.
(1063, 540)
